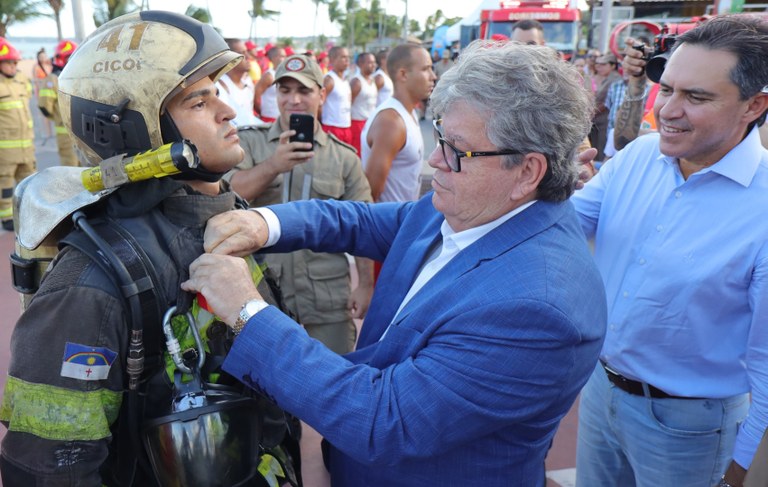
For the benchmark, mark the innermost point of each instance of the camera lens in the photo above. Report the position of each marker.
(655, 67)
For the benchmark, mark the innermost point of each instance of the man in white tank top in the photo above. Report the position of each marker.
(381, 77)
(363, 96)
(236, 88)
(393, 147)
(336, 114)
(265, 100)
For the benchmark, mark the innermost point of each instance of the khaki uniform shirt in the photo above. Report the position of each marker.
(16, 131)
(315, 286)
(48, 101)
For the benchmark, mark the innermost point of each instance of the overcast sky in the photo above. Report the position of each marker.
(231, 16)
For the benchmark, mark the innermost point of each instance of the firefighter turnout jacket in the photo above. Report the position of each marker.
(17, 150)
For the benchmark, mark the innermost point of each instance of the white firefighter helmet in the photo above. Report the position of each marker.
(115, 87)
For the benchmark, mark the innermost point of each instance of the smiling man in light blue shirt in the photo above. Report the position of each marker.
(681, 239)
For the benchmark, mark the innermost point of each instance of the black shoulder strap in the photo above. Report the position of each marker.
(124, 262)
(144, 280)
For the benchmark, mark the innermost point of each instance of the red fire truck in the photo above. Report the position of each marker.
(561, 20)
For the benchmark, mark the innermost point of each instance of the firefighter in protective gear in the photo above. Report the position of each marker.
(47, 101)
(75, 414)
(17, 150)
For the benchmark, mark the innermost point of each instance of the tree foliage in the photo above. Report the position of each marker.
(19, 11)
(259, 11)
(200, 14)
(314, 22)
(438, 19)
(57, 6)
(360, 26)
(106, 10)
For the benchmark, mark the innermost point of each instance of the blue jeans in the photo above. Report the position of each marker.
(626, 440)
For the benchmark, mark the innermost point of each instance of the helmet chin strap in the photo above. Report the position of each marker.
(171, 133)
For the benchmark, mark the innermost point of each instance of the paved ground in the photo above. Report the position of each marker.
(561, 459)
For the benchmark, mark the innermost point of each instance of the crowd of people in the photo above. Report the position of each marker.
(485, 311)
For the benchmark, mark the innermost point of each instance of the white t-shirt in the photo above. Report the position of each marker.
(338, 104)
(241, 99)
(386, 90)
(404, 177)
(269, 99)
(365, 101)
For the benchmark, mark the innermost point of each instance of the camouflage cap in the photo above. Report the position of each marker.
(301, 68)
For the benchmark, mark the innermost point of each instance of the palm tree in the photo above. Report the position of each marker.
(314, 23)
(257, 11)
(106, 10)
(352, 6)
(199, 13)
(346, 18)
(19, 11)
(57, 5)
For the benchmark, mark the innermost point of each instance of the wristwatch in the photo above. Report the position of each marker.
(246, 313)
(723, 483)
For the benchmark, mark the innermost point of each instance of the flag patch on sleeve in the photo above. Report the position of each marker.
(86, 363)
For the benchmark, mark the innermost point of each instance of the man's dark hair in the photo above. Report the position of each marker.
(528, 24)
(381, 56)
(746, 37)
(362, 55)
(334, 51)
(273, 52)
(231, 41)
(401, 57)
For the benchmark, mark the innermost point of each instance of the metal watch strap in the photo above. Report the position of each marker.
(723, 483)
(248, 310)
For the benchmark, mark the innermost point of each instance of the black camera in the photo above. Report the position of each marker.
(656, 60)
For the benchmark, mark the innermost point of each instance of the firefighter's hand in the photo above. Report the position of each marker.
(238, 232)
(225, 282)
(585, 163)
(633, 63)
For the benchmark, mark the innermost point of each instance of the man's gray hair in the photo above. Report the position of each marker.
(534, 103)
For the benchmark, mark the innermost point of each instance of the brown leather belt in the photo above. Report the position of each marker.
(636, 387)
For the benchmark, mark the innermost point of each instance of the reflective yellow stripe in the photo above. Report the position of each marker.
(270, 469)
(15, 144)
(47, 92)
(6, 213)
(61, 130)
(55, 413)
(204, 319)
(11, 105)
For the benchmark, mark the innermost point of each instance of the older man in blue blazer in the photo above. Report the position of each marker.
(488, 315)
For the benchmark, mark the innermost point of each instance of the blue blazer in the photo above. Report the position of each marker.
(470, 382)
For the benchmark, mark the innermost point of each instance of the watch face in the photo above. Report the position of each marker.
(253, 307)
(249, 309)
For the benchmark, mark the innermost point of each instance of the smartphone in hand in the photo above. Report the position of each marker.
(304, 125)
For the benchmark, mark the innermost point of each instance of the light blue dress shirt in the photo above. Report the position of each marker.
(685, 265)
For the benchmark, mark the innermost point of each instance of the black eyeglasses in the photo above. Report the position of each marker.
(453, 156)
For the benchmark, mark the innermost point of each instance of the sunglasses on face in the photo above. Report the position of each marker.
(452, 156)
